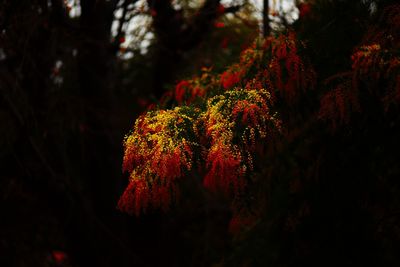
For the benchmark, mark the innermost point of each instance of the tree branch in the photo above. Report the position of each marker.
(202, 22)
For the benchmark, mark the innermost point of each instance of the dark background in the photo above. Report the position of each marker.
(62, 128)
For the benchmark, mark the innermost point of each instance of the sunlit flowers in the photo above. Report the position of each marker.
(157, 153)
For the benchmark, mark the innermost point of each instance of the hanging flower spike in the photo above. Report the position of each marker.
(162, 196)
(287, 71)
(169, 164)
(230, 79)
(250, 112)
(196, 92)
(242, 113)
(157, 153)
(338, 104)
(365, 57)
(135, 198)
(180, 91)
(224, 169)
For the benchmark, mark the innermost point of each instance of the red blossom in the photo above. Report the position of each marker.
(197, 92)
(337, 105)
(135, 198)
(168, 165)
(287, 71)
(224, 169)
(139, 196)
(229, 79)
(180, 90)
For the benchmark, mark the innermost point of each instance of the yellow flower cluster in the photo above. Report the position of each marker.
(158, 146)
(234, 122)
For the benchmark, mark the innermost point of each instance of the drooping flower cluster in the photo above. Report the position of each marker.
(230, 79)
(161, 147)
(187, 91)
(233, 122)
(288, 73)
(220, 123)
(338, 103)
(157, 153)
(375, 70)
(372, 63)
(275, 64)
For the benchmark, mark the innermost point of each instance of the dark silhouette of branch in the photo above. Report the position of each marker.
(266, 27)
(120, 32)
(176, 35)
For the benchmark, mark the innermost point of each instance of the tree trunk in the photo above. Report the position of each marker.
(266, 27)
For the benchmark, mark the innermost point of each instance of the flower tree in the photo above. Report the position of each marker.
(215, 127)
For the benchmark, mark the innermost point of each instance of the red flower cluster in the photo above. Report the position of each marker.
(135, 198)
(375, 62)
(160, 150)
(186, 93)
(156, 155)
(287, 72)
(230, 79)
(139, 195)
(180, 90)
(223, 131)
(250, 112)
(240, 222)
(337, 105)
(224, 169)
